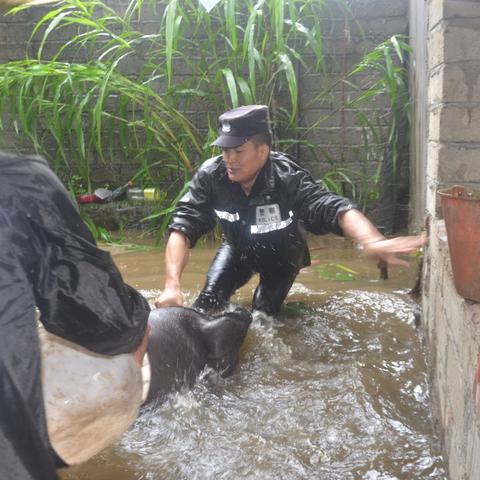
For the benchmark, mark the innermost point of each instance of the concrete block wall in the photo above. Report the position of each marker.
(449, 138)
(453, 330)
(338, 137)
(453, 96)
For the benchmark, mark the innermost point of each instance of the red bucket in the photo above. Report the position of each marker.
(461, 211)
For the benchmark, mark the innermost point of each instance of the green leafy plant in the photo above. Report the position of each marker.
(76, 185)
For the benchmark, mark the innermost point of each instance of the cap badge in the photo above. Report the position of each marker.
(226, 127)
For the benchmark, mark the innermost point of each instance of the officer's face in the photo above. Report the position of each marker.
(244, 162)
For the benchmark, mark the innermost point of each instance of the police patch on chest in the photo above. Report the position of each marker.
(267, 214)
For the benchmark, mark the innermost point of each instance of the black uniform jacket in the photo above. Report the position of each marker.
(49, 260)
(267, 227)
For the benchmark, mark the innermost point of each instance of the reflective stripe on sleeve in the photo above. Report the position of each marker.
(229, 217)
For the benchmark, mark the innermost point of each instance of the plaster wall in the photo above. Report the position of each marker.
(448, 139)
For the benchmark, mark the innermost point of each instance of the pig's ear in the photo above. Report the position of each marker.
(223, 335)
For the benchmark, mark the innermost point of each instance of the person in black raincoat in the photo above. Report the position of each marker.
(264, 202)
(49, 260)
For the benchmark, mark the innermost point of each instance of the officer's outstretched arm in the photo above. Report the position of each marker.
(358, 228)
(176, 258)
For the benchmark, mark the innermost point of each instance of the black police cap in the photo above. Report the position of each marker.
(242, 123)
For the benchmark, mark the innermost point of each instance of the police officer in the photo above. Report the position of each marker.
(49, 260)
(263, 201)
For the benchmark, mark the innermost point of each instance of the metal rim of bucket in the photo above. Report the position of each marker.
(460, 192)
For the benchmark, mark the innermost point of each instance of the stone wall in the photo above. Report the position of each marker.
(339, 137)
(451, 141)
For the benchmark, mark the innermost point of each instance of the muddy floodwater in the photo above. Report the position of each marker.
(334, 388)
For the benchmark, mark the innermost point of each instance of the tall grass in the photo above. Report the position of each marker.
(68, 103)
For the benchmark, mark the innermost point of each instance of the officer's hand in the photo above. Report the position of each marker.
(388, 251)
(170, 297)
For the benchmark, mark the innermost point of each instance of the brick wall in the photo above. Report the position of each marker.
(340, 136)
